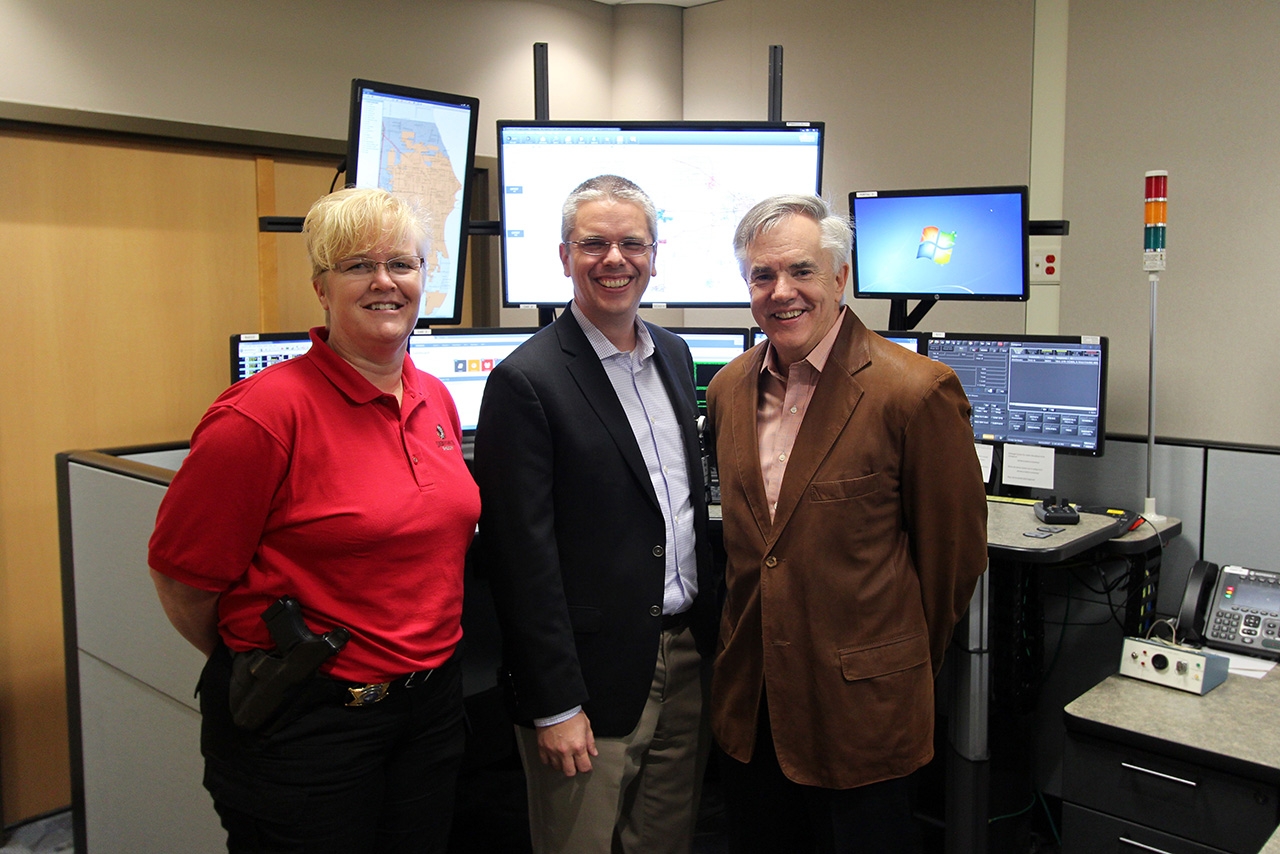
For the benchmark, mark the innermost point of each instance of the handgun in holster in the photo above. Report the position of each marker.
(265, 682)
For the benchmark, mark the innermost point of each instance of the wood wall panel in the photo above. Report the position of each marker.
(298, 183)
(127, 269)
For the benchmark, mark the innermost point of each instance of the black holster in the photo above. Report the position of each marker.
(266, 683)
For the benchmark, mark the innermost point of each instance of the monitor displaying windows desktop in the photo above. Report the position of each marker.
(711, 350)
(463, 359)
(253, 351)
(702, 177)
(421, 145)
(943, 244)
(1040, 390)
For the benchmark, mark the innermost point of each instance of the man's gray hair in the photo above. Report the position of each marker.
(606, 188)
(837, 236)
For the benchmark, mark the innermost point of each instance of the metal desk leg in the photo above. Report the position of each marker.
(968, 768)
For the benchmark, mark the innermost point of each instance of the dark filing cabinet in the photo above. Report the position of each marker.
(1152, 769)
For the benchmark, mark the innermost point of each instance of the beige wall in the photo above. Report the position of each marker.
(286, 66)
(1189, 87)
(911, 97)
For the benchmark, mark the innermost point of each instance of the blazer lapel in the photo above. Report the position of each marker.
(744, 439)
(833, 403)
(584, 366)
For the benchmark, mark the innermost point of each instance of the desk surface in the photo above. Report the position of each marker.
(1235, 727)
(1008, 521)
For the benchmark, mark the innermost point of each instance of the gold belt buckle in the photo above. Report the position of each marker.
(367, 695)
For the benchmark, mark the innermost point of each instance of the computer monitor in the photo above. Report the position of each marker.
(253, 351)
(909, 340)
(1045, 390)
(702, 177)
(944, 244)
(420, 144)
(711, 350)
(463, 359)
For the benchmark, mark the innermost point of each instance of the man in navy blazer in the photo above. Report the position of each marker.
(593, 535)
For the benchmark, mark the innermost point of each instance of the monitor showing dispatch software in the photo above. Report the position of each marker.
(253, 351)
(711, 350)
(463, 359)
(702, 177)
(1041, 390)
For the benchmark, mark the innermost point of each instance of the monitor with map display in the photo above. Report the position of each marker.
(702, 177)
(420, 144)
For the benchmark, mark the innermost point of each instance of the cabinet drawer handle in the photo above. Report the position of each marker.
(1142, 847)
(1142, 770)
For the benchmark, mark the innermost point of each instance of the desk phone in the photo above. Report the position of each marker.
(1233, 608)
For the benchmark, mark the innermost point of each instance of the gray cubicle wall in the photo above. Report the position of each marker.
(134, 722)
(135, 725)
(1242, 488)
(1223, 495)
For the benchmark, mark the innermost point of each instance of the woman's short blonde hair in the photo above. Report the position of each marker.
(354, 221)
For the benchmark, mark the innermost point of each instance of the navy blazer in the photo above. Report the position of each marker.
(571, 535)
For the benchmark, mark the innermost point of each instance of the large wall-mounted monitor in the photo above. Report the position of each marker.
(702, 177)
(711, 350)
(253, 351)
(420, 144)
(1045, 390)
(946, 244)
(463, 359)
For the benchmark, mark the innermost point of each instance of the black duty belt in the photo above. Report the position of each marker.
(368, 693)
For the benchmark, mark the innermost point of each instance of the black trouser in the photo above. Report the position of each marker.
(769, 814)
(377, 778)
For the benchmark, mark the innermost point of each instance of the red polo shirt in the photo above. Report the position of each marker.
(306, 480)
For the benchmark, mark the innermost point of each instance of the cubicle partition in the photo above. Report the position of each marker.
(133, 718)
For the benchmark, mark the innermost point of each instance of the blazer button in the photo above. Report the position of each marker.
(771, 561)
(655, 610)
(657, 551)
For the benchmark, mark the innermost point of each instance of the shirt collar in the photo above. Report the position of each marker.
(346, 378)
(817, 356)
(604, 347)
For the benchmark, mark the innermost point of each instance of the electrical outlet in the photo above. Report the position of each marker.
(1046, 260)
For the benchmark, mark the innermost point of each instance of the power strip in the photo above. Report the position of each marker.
(1172, 666)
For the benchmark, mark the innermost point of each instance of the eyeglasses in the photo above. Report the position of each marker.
(401, 267)
(595, 246)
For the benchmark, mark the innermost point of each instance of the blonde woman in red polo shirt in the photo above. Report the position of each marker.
(337, 479)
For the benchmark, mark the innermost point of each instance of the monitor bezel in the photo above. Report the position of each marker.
(1020, 190)
(358, 85)
(623, 126)
(1024, 338)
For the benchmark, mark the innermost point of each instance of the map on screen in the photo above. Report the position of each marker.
(418, 144)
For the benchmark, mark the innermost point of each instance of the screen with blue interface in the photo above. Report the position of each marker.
(253, 351)
(701, 176)
(463, 359)
(941, 244)
(420, 145)
(1031, 390)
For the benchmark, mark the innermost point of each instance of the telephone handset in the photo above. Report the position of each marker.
(1233, 608)
(1195, 600)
